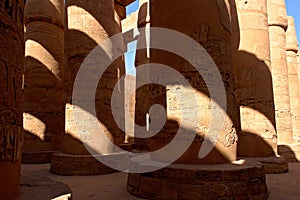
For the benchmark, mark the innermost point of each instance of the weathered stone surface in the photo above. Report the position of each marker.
(223, 181)
(44, 67)
(280, 85)
(277, 14)
(129, 22)
(272, 165)
(51, 11)
(130, 82)
(212, 31)
(39, 187)
(120, 11)
(71, 165)
(257, 137)
(37, 157)
(277, 20)
(291, 152)
(89, 24)
(11, 70)
(291, 51)
(291, 36)
(294, 93)
(143, 13)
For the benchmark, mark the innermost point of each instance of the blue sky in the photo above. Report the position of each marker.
(130, 54)
(132, 7)
(293, 9)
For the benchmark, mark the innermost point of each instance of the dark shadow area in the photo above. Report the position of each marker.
(288, 152)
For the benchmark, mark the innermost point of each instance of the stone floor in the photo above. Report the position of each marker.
(113, 187)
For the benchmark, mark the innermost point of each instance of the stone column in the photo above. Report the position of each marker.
(208, 23)
(143, 100)
(277, 20)
(291, 51)
(214, 34)
(88, 23)
(128, 24)
(257, 137)
(43, 91)
(11, 123)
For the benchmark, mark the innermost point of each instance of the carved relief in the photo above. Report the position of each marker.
(11, 67)
(230, 136)
(219, 49)
(10, 136)
(13, 8)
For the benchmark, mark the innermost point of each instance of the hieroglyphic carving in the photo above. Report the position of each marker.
(11, 68)
(13, 8)
(10, 128)
(217, 47)
(10, 136)
(230, 136)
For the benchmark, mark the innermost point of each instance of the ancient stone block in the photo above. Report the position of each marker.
(237, 181)
(277, 14)
(291, 36)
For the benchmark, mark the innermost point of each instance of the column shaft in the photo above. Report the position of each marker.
(291, 50)
(212, 30)
(277, 20)
(44, 68)
(257, 137)
(12, 69)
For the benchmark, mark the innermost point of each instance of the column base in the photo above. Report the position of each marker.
(71, 165)
(272, 164)
(37, 157)
(221, 181)
(291, 152)
(40, 187)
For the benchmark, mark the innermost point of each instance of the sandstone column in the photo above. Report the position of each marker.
(143, 100)
(277, 19)
(190, 176)
(128, 24)
(291, 51)
(43, 92)
(212, 31)
(88, 23)
(257, 137)
(11, 67)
